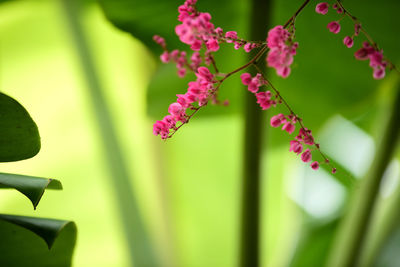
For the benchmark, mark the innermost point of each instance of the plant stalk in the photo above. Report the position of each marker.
(140, 248)
(351, 238)
(251, 179)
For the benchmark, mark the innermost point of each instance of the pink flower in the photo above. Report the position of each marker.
(181, 72)
(212, 45)
(288, 127)
(165, 57)
(196, 45)
(175, 109)
(305, 136)
(158, 126)
(281, 51)
(253, 83)
(169, 121)
(296, 147)
(175, 54)
(184, 101)
(219, 31)
(277, 120)
(348, 41)
(264, 100)
(231, 35)
(283, 71)
(196, 60)
(334, 27)
(253, 87)
(246, 78)
(161, 128)
(379, 73)
(375, 57)
(361, 54)
(277, 36)
(306, 156)
(204, 73)
(322, 8)
(237, 45)
(247, 47)
(333, 170)
(315, 165)
(159, 40)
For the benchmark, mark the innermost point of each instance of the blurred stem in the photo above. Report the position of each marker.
(250, 226)
(385, 221)
(141, 251)
(347, 248)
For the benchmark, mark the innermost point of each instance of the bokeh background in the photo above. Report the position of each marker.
(188, 189)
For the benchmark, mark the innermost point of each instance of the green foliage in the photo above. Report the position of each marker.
(22, 237)
(27, 241)
(32, 187)
(19, 137)
(314, 245)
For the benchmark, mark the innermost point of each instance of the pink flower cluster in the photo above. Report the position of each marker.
(282, 50)
(377, 63)
(322, 8)
(232, 37)
(304, 138)
(179, 58)
(265, 100)
(287, 121)
(198, 92)
(375, 57)
(196, 29)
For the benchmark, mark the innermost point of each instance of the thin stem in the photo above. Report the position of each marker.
(140, 248)
(213, 63)
(298, 118)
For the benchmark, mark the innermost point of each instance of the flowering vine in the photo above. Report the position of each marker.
(197, 31)
(369, 51)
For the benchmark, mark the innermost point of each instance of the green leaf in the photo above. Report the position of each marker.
(314, 244)
(27, 241)
(19, 138)
(144, 19)
(32, 187)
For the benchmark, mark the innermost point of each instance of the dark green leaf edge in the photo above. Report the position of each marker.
(49, 234)
(15, 121)
(23, 184)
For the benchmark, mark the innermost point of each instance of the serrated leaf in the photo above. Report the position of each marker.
(28, 241)
(32, 187)
(19, 136)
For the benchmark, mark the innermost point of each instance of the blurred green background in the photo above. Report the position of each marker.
(188, 188)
